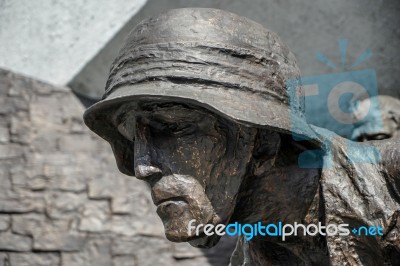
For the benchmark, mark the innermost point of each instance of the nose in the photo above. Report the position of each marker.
(147, 172)
(144, 168)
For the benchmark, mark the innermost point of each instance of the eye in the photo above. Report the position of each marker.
(380, 136)
(127, 129)
(180, 128)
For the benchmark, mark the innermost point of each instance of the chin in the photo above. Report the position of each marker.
(176, 231)
(175, 236)
(205, 241)
(195, 241)
(176, 216)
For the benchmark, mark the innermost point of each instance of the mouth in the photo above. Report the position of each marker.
(161, 196)
(171, 188)
(159, 202)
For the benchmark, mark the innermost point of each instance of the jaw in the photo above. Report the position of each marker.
(205, 241)
(176, 227)
(177, 234)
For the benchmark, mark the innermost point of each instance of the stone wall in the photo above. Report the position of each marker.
(62, 200)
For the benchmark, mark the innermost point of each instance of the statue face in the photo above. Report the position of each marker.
(388, 115)
(390, 129)
(194, 163)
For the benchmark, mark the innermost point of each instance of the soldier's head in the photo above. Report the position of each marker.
(195, 104)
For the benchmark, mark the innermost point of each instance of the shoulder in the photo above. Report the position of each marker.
(389, 155)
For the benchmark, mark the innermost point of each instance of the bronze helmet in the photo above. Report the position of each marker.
(223, 62)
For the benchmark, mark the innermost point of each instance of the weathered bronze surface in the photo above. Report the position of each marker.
(196, 105)
(384, 124)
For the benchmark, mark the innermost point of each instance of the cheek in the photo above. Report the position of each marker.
(189, 155)
(203, 154)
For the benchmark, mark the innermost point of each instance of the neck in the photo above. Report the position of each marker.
(286, 194)
(282, 194)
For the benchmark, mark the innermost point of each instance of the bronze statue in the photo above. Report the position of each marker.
(196, 105)
(386, 112)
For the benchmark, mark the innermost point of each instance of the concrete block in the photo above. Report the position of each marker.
(95, 216)
(37, 259)
(96, 252)
(53, 40)
(4, 222)
(14, 242)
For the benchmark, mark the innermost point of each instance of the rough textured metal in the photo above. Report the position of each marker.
(207, 161)
(209, 57)
(386, 115)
